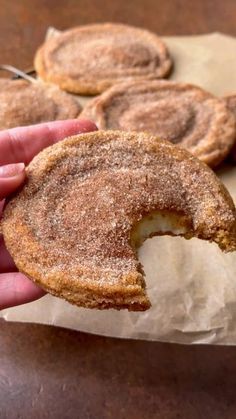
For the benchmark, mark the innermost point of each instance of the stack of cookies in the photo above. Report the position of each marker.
(125, 67)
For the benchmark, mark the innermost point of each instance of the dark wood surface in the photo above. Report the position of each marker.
(50, 372)
(23, 23)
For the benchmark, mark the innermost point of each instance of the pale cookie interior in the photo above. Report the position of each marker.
(158, 223)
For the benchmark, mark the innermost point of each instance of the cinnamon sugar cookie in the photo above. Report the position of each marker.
(24, 103)
(182, 113)
(231, 104)
(92, 199)
(89, 59)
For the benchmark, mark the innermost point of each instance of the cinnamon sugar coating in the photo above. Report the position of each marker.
(182, 113)
(89, 59)
(75, 225)
(24, 103)
(231, 104)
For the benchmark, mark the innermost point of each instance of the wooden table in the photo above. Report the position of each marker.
(49, 372)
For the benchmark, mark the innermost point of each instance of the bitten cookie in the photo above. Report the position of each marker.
(92, 199)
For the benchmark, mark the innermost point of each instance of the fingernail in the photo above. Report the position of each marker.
(11, 170)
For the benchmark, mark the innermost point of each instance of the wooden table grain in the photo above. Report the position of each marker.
(48, 372)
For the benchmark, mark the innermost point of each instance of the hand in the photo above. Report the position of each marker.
(17, 147)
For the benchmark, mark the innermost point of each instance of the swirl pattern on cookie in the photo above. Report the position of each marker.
(24, 103)
(89, 59)
(91, 200)
(182, 113)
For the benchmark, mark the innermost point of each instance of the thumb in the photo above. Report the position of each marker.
(11, 177)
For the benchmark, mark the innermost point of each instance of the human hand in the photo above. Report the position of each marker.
(18, 146)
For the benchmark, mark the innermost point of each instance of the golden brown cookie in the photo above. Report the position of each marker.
(24, 103)
(231, 104)
(92, 199)
(182, 113)
(89, 59)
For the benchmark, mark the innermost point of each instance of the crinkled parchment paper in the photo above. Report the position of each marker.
(191, 284)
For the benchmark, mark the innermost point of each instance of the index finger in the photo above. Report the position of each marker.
(23, 143)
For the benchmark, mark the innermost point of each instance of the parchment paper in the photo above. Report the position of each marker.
(191, 284)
